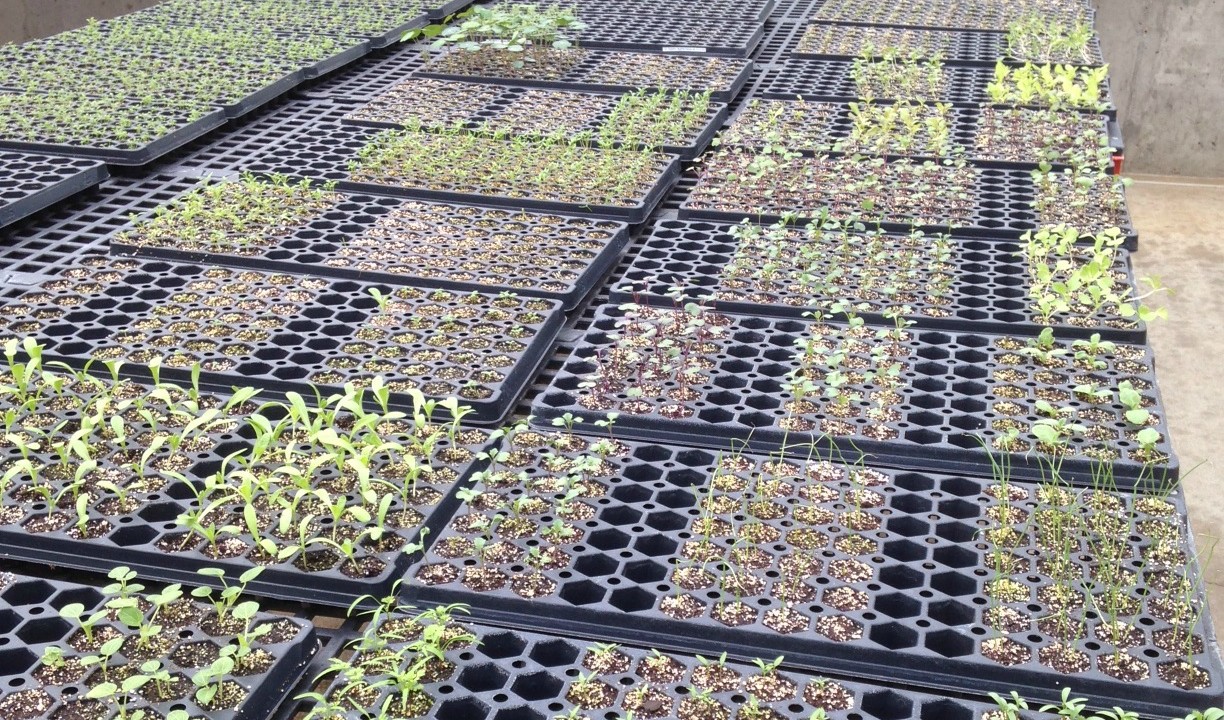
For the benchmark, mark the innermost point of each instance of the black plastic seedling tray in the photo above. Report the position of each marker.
(147, 540)
(1002, 210)
(324, 151)
(354, 52)
(754, 10)
(257, 96)
(30, 182)
(510, 672)
(964, 125)
(57, 239)
(370, 39)
(582, 77)
(956, 47)
(30, 607)
(581, 249)
(795, 11)
(964, 17)
(448, 8)
(601, 104)
(262, 96)
(235, 107)
(830, 81)
(150, 529)
(230, 149)
(295, 342)
(690, 34)
(141, 155)
(988, 291)
(371, 76)
(956, 390)
(830, 122)
(919, 614)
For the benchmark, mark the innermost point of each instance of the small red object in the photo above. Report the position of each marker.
(1118, 159)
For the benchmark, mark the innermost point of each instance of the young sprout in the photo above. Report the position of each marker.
(1068, 708)
(226, 602)
(768, 667)
(1009, 707)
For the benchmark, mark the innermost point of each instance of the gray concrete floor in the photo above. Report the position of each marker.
(1178, 220)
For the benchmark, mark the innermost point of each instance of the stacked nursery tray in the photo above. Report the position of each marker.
(677, 123)
(989, 136)
(939, 282)
(169, 482)
(601, 70)
(480, 671)
(306, 228)
(918, 399)
(546, 174)
(132, 89)
(290, 332)
(880, 573)
(30, 182)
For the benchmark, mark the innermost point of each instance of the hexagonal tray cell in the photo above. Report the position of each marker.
(287, 332)
(923, 399)
(946, 282)
(387, 240)
(621, 120)
(897, 575)
(550, 675)
(606, 71)
(153, 505)
(965, 198)
(183, 636)
(381, 162)
(30, 182)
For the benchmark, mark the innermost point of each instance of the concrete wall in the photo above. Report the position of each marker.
(1167, 61)
(25, 19)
